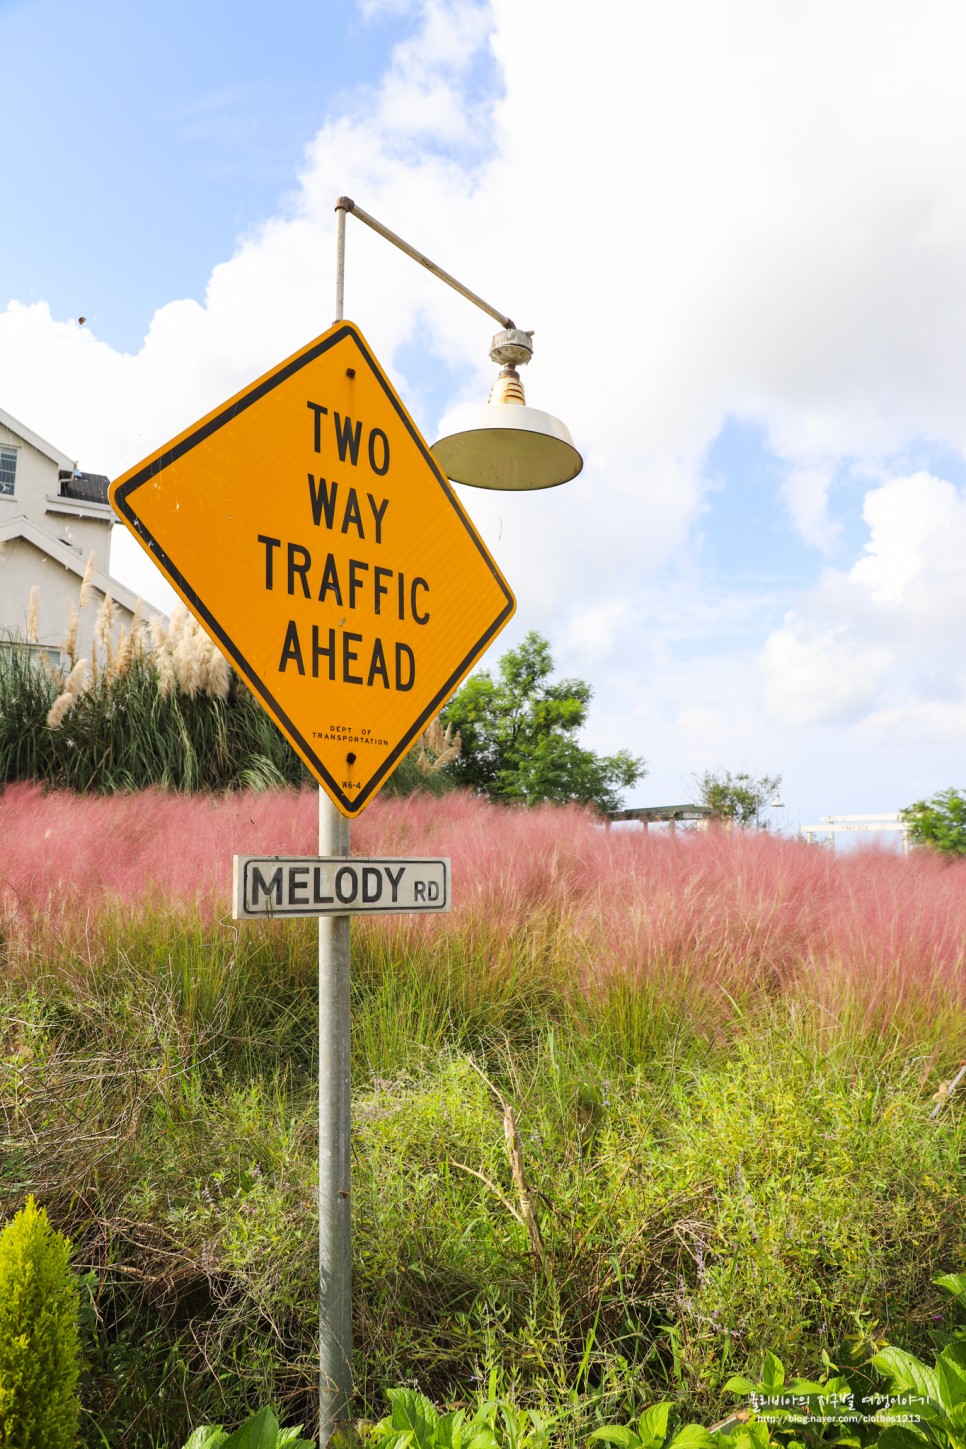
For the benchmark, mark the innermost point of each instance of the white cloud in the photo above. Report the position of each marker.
(822, 676)
(917, 541)
(885, 638)
(805, 492)
(705, 211)
(777, 233)
(591, 633)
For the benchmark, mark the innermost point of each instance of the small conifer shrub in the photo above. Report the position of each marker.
(38, 1335)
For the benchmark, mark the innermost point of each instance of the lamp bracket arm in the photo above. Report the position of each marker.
(345, 204)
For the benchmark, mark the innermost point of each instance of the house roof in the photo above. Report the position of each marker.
(21, 527)
(86, 487)
(36, 441)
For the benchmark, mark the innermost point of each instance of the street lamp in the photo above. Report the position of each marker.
(503, 444)
(776, 804)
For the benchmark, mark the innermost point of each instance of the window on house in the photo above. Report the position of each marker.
(8, 471)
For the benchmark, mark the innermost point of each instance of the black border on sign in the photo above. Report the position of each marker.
(121, 500)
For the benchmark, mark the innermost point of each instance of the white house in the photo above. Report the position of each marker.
(55, 526)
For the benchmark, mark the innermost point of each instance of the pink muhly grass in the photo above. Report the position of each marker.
(67, 853)
(706, 918)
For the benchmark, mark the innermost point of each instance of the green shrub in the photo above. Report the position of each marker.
(261, 1431)
(38, 1335)
(497, 1423)
(939, 822)
(135, 721)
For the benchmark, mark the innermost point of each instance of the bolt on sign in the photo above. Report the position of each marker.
(308, 528)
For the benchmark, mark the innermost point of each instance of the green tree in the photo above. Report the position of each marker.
(939, 822)
(38, 1335)
(737, 797)
(518, 730)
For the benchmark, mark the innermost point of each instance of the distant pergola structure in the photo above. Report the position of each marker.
(833, 824)
(668, 815)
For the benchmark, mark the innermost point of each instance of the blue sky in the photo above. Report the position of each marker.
(153, 137)
(739, 233)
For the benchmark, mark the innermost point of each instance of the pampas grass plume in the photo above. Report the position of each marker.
(157, 632)
(70, 643)
(74, 686)
(164, 666)
(60, 708)
(32, 614)
(103, 635)
(86, 585)
(188, 655)
(124, 652)
(104, 622)
(218, 674)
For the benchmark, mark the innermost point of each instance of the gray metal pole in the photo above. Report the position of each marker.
(340, 211)
(335, 1117)
(335, 1203)
(346, 204)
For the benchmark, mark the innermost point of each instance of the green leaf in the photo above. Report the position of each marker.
(738, 1384)
(620, 1434)
(479, 1436)
(291, 1437)
(956, 1422)
(693, 1436)
(652, 1425)
(951, 1377)
(209, 1436)
(908, 1372)
(901, 1436)
(746, 1436)
(414, 1412)
(449, 1430)
(387, 1437)
(807, 1387)
(261, 1432)
(954, 1283)
(772, 1374)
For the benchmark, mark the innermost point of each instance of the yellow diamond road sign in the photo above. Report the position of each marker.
(308, 528)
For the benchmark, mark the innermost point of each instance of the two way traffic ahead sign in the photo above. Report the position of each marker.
(308, 528)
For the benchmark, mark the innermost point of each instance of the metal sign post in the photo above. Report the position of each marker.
(334, 888)
(335, 1102)
(335, 1133)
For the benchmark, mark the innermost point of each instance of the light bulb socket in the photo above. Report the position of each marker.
(511, 347)
(508, 388)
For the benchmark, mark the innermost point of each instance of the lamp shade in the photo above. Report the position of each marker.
(506, 445)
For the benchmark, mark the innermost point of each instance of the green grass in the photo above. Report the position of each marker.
(718, 1056)
(701, 1195)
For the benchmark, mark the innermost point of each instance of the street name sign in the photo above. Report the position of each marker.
(285, 885)
(308, 528)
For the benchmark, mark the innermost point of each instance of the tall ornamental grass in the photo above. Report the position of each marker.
(638, 1109)
(157, 706)
(715, 917)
